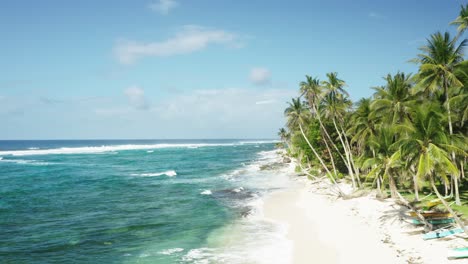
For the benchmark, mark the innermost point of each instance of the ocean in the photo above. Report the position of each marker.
(140, 201)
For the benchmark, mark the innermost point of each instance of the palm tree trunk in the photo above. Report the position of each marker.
(446, 205)
(392, 185)
(415, 210)
(317, 155)
(416, 187)
(331, 157)
(326, 132)
(455, 180)
(356, 170)
(347, 162)
(455, 185)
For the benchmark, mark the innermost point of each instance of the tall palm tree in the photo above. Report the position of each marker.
(438, 64)
(284, 136)
(335, 105)
(462, 20)
(298, 115)
(311, 90)
(393, 101)
(427, 146)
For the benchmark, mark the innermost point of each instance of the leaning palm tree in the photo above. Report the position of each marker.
(298, 115)
(335, 105)
(312, 90)
(462, 20)
(427, 146)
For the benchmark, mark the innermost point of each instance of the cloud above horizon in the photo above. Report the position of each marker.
(190, 38)
(136, 97)
(260, 76)
(163, 6)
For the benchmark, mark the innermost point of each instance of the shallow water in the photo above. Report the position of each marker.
(138, 202)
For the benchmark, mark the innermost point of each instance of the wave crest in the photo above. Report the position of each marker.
(169, 173)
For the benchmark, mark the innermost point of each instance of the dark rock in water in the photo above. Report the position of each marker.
(245, 212)
(286, 160)
(237, 193)
(271, 166)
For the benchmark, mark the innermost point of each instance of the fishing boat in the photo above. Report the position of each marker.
(434, 221)
(458, 253)
(432, 203)
(432, 214)
(442, 233)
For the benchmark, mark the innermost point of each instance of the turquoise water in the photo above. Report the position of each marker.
(128, 202)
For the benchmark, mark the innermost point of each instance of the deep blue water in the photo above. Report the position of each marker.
(95, 201)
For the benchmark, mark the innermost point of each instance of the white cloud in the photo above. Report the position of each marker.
(375, 15)
(265, 102)
(189, 39)
(163, 6)
(136, 97)
(225, 113)
(260, 76)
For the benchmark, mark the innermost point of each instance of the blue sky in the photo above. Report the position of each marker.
(192, 69)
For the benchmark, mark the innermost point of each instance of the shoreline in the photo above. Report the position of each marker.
(359, 230)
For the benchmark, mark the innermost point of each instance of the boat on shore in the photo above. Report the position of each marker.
(434, 221)
(442, 233)
(432, 214)
(458, 253)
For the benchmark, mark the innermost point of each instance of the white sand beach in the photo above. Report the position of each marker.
(324, 229)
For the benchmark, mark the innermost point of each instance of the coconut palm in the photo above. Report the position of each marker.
(438, 63)
(393, 101)
(386, 160)
(298, 115)
(335, 106)
(363, 126)
(427, 147)
(462, 20)
(311, 90)
(437, 73)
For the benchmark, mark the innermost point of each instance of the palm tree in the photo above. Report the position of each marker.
(426, 146)
(335, 106)
(394, 100)
(462, 20)
(298, 116)
(386, 159)
(362, 124)
(312, 90)
(284, 136)
(438, 65)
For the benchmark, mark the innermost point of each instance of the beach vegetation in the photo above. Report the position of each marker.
(410, 137)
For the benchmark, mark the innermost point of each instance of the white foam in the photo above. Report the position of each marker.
(150, 151)
(237, 190)
(104, 148)
(169, 173)
(26, 162)
(206, 192)
(33, 148)
(259, 141)
(170, 251)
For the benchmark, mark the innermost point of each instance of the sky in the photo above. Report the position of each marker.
(169, 69)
